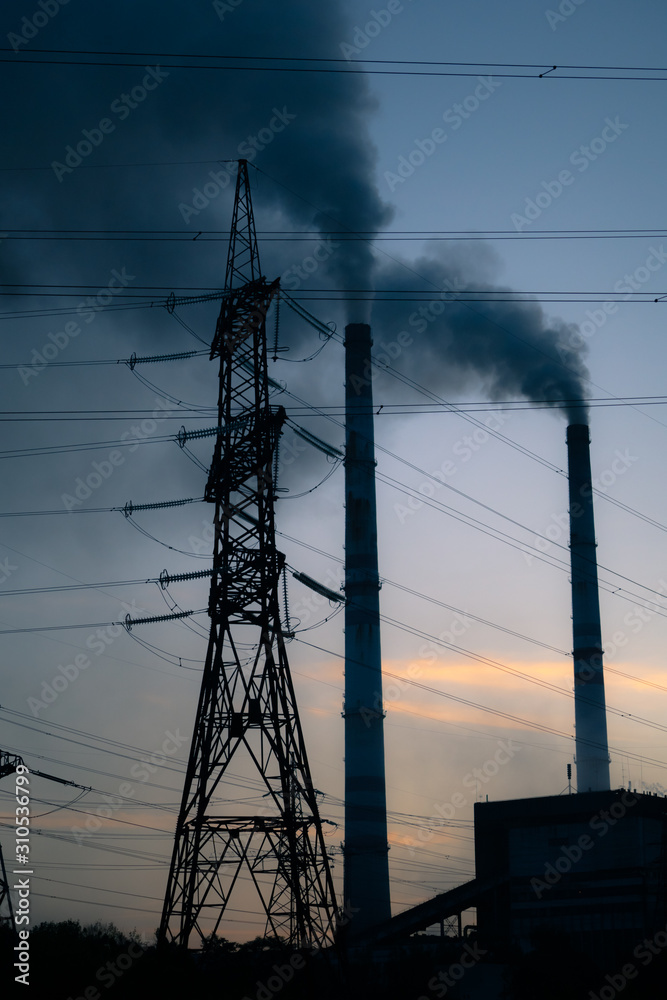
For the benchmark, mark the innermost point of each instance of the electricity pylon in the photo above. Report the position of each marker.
(247, 714)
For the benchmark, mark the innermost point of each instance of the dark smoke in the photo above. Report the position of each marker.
(315, 173)
(321, 164)
(513, 349)
(321, 169)
(324, 163)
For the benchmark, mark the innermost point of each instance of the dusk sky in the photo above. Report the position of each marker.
(121, 136)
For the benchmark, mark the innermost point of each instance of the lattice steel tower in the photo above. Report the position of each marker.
(8, 764)
(247, 714)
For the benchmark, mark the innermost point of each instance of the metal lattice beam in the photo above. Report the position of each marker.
(247, 710)
(8, 764)
(5, 896)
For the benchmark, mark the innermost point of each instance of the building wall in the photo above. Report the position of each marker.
(591, 866)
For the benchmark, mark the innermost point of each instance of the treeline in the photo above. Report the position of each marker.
(98, 961)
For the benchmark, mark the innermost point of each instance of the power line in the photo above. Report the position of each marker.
(516, 673)
(89, 625)
(164, 580)
(483, 621)
(113, 747)
(119, 892)
(202, 352)
(203, 573)
(62, 449)
(472, 420)
(521, 546)
(511, 405)
(386, 409)
(517, 720)
(512, 670)
(81, 288)
(97, 846)
(239, 63)
(101, 510)
(334, 294)
(137, 415)
(328, 59)
(135, 302)
(316, 233)
(307, 236)
(457, 514)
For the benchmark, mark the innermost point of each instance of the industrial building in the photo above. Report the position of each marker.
(590, 867)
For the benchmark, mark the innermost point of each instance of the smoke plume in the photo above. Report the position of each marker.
(512, 348)
(307, 134)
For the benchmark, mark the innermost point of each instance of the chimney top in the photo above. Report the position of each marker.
(578, 432)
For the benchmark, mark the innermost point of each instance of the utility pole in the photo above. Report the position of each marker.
(247, 719)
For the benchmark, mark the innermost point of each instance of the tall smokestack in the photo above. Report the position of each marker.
(592, 753)
(366, 875)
